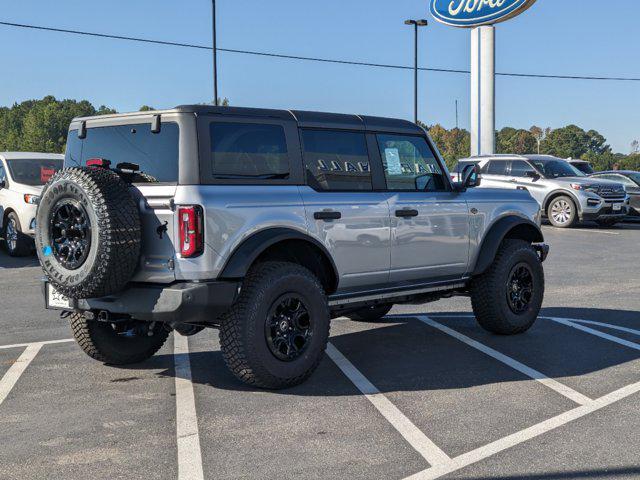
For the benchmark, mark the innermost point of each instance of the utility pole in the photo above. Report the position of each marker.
(456, 114)
(416, 24)
(215, 54)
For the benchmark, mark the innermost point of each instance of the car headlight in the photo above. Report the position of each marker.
(31, 199)
(586, 188)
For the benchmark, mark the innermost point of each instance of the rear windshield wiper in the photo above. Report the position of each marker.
(266, 176)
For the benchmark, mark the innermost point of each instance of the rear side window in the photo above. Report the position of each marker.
(519, 168)
(495, 167)
(155, 153)
(336, 160)
(248, 151)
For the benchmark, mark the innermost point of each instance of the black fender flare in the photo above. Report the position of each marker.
(555, 193)
(522, 228)
(250, 249)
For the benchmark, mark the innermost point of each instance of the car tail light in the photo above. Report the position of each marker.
(190, 224)
(98, 162)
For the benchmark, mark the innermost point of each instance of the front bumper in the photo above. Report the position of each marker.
(182, 302)
(596, 208)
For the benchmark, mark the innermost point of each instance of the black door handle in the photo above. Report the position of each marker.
(406, 213)
(327, 215)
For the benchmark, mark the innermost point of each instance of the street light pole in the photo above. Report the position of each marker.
(215, 54)
(416, 24)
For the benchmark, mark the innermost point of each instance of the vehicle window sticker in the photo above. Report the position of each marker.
(392, 156)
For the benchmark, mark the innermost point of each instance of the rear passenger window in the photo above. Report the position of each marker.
(336, 160)
(409, 164)
(495, 167)
(519, 168)
(248, 151)
(155, 153)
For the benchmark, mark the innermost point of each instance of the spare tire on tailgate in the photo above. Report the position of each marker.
(88, 232)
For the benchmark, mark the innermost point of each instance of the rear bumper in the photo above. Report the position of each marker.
(183, 302)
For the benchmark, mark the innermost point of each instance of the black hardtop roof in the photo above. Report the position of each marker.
(311, 119)
(303, 118)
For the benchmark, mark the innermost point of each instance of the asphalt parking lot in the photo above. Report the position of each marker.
(423, 394)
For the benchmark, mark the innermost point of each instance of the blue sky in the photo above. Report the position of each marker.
(575, 37)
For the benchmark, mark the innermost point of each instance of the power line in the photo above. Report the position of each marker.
(309, 59)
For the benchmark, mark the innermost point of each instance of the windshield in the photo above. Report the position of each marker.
(556, 169)
(32, 171)
(584, 167)
(635, 177)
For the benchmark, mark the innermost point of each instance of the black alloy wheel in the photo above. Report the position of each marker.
(70, 233)
(288, 327)
(520, 288)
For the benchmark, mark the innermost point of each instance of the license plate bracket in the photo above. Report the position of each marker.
(55, 300)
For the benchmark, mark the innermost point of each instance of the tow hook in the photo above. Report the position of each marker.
(543, 251)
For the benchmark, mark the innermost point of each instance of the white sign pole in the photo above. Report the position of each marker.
(483, 88)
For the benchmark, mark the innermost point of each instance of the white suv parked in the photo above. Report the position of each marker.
(22, 176)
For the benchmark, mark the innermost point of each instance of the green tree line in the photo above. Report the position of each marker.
(41, 126)
(566, 142)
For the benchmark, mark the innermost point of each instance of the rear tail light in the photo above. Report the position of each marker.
(190, 224)
(98, 162)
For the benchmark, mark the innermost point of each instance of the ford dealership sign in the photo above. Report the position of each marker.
(473, 13)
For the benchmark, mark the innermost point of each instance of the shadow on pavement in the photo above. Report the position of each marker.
(400, 353)
(621, 472)
(17, 262)
(616, 317)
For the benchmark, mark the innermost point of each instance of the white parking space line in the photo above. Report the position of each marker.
(16, 370)
(522, 436)
(47, 342)
(608, 325)
(189, 454)
(568, 230)
(418, 440)
(597, 333)
(568, 392)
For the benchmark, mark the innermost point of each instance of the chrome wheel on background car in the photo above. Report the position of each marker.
(11, 235)
(18, 244)
(562, 212)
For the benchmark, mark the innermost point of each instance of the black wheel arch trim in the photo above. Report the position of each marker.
(251, 248)
(524, 228)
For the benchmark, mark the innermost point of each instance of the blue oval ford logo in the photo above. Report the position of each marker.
(472, 13)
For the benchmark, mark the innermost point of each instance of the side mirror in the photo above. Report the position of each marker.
(470, 177)
(3, 184)
(532, 174)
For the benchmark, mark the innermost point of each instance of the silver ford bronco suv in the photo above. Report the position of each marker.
(266, 224)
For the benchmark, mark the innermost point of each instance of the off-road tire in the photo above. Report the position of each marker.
(24, 244)
(370, 314)
(115, 232)
(100, 341)
(242, 329)
(489, 290)
(573, 212)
